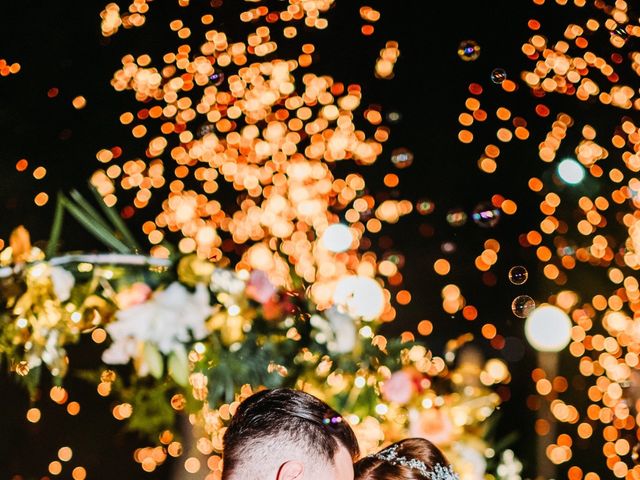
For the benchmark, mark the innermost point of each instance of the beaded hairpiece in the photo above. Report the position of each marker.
(439, 472)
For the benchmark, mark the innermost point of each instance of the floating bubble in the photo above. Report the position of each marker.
(456, 217)
(217, 78)
(486, 215)
(514, 349)
(518, 275)
(621, 32)
(425, 206)
(402, 157)
(522, 306)
(468, 50)
(498, 75)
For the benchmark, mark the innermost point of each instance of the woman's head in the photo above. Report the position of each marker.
(410, 459)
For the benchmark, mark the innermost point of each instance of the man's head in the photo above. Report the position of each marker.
(285, 434)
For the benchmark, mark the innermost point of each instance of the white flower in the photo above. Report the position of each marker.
(63, 281)
(337, 330)
(345, 335)
(510, 467)
(223, 280)
(171, 318)
(121, 351)
(472, 464)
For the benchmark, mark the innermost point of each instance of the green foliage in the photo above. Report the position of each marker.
(154, 360)
(152, 413)
(85, 214)
(178, 367)
(229, 369)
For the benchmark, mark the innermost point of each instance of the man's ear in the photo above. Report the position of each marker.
(291, 470)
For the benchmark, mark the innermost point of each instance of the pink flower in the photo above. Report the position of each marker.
(260, 287)
(433, 424)
(399, 388)
(134, 295)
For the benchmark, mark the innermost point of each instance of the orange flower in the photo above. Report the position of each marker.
(20, 242)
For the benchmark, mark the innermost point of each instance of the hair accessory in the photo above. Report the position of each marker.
(439, 472)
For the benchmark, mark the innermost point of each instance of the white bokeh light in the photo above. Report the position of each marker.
(570, 171)
(337, 238)
(548, 329)
(359, 297)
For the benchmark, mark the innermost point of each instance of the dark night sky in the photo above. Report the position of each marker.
(59, 45)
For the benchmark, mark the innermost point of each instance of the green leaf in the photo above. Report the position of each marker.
(91, 212)
(31, 381)
(506, 441)
(56, 227)
(152, 412)
(153, 359)
(97, 230)
(179, 366)
(115, 220)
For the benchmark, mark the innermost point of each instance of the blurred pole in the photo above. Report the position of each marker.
(188, 436)
(546, 470)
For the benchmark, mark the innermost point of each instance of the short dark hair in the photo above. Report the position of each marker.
(286, 414)
(376, 468)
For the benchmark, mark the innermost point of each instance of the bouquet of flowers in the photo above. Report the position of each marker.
(191, 336)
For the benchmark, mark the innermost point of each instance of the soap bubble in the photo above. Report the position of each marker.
(621, 32)
(402, 157)
(522, 306)
(217, 78)
(486, 215)
(498, 75)
(518, 275)
(468, 50)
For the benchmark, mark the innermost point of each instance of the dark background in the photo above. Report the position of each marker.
(59, 44)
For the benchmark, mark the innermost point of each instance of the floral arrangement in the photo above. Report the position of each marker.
(189, 338)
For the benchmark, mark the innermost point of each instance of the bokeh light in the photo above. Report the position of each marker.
(548, 329)
(570, 171)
